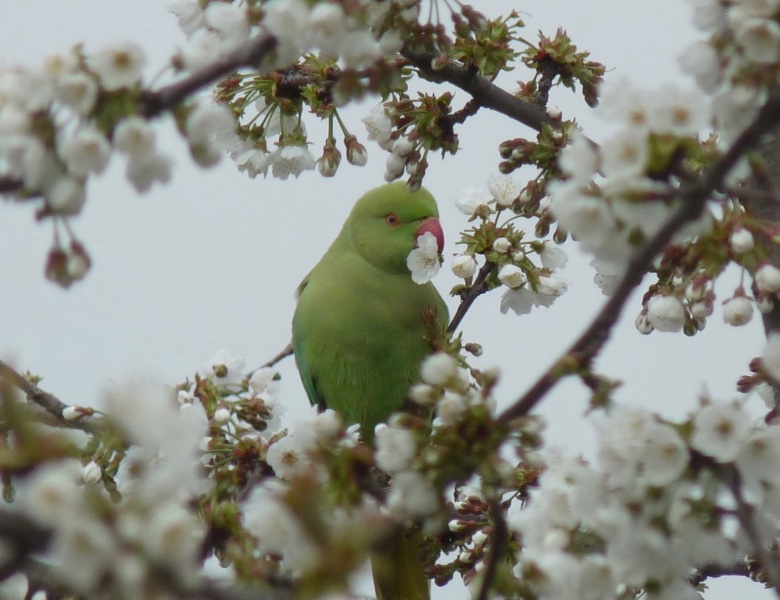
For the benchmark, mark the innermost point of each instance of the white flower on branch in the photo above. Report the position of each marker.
(118, 66)
(86, 151)
(143, 170)
(395, 448)
(423, 261)
(134, 137)
(665, 313)
(504, 189)
(720, 430)
(464, 266)
(738, 310)
(78, 91)
(277, 529)
(291, 159)
(411, 496)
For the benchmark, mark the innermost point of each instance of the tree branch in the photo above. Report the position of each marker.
(497, 548)
(49, 402)
(693, 197)
(485, 93)
(731, 478)
(478, 288)
(250, 55)
(284, 353)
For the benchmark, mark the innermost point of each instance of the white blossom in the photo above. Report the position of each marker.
(289, 22)
(770, 361)
(144, 169)
(134, 136)
(720, 430)
(579, 159)
(77, 90)
(379, 125)
(625, 154)
(423, 261)
(66, 196)
(768, 279)
(86, 151)
(759, 39)
(741, 241)
(92, 472)
(504, 189)
(664, 455)
(224, 368)
(738, 310)
(449, 409)
(395, 448)
(229, 21)
(291, 159)
(277, 529)
(502, 245)
(439, 369)
(665, 313)
(411, 496)
(512, 276)
(118, 66)
(552, 257)
(289, 456)
(464, 266)
(701, 61)
(473, 201)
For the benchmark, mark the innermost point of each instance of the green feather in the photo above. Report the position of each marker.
(360, 331)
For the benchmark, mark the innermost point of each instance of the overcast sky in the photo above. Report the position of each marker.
(212, 260)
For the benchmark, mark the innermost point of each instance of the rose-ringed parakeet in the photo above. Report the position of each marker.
(361, 329)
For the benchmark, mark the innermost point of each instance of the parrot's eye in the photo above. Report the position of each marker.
(392, 220)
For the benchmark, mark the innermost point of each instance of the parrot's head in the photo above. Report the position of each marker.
(385, 223)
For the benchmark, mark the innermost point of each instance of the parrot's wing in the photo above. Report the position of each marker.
(301, 359)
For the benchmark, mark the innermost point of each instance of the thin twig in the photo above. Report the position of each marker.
(715, 571)
(478, 288)
(693, 197)
(498, 546)
(53, 405)
(287, 351)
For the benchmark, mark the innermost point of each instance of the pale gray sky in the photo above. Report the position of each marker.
(211, 260)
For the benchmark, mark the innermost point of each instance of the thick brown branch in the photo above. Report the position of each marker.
(692, 197)
(49, 402)
(249, 55)
(487, 94)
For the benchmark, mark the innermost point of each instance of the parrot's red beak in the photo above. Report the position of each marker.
(433, 226)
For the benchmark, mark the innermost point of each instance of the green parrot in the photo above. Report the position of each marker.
(360, 331)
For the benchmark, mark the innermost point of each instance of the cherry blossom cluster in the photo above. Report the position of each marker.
(657, 505)
(527, 284)
(346, 37)
(123, 512)
(404, 155)
(62, 124)
(740, 60)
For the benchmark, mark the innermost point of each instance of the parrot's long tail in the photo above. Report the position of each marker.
(398, 572)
